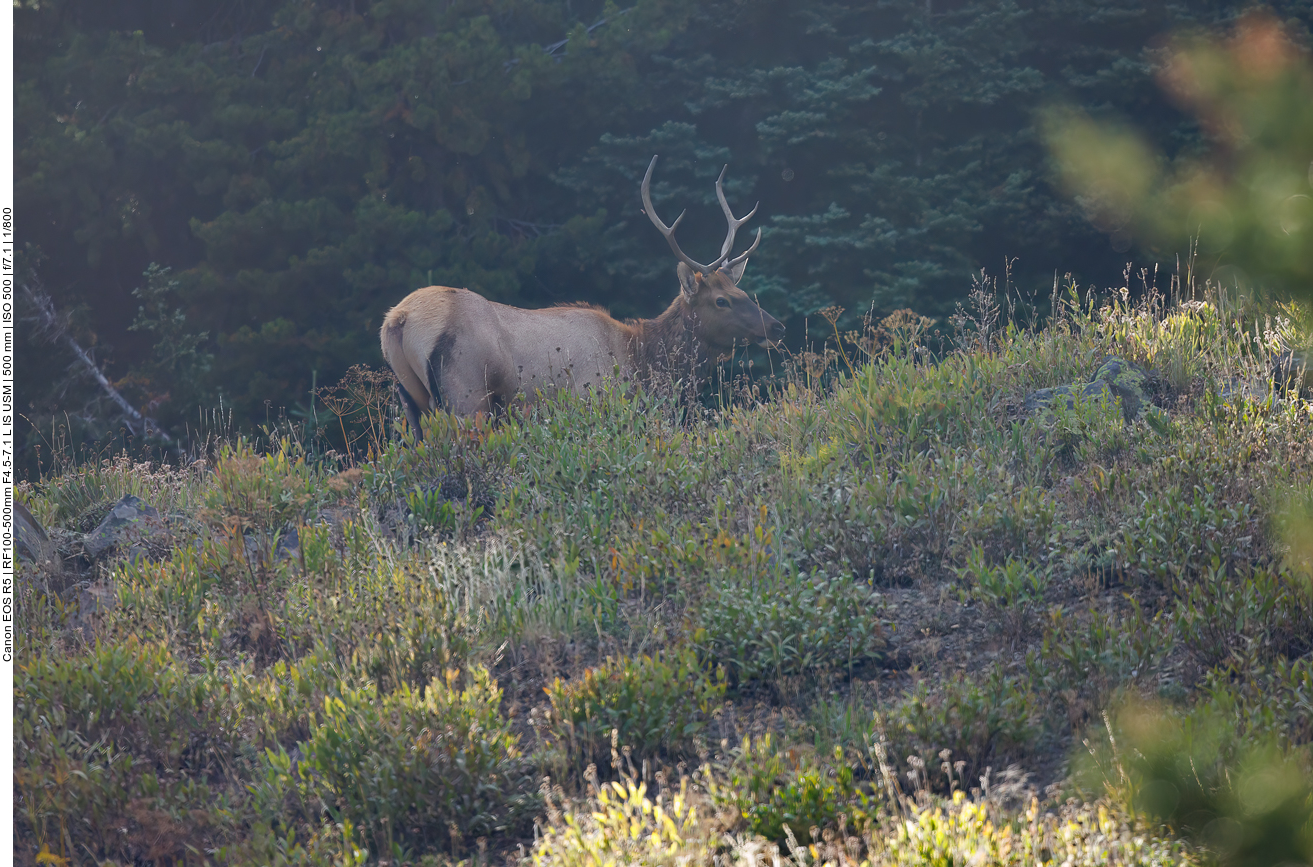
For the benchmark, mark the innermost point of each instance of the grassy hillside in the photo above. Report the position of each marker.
(870, 613)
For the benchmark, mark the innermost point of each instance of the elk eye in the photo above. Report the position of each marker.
(722, 302)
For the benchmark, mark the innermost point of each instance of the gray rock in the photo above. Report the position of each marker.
(287, 547)
(289, 543)
(130, 521)
(31, 543)
(1232, 389)
(96, 598)
(1294, 369)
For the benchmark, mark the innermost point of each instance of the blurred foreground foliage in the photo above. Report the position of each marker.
(1242, 198)
(1245, 800)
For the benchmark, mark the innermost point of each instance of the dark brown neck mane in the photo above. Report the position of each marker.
(667, 343)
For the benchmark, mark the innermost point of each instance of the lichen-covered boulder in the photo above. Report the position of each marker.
(1116, 377)
(1046, 397)
(1128, 382)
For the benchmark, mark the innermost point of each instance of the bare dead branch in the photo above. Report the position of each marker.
(55, 329)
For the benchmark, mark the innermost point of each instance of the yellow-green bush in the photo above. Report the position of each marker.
(774, 788)
(263, 493)
(624, 826)
(944, 833)
(654, 704)
(408, 767)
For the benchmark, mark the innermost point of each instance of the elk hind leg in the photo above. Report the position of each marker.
(412, 408)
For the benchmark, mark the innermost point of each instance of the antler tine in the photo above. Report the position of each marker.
(746, 253)
(734, 223)
(669, 231)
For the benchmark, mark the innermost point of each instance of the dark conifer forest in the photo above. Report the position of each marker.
(298, 167)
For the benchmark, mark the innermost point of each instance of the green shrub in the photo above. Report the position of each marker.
(984, 722)
(1015, 586)
(408, 766)
(444, 480)
(282, 702)
(290, 706)
(772, 788)
(389, 623)
(1175, 531)
(270, 843)
(1294, 527)
(1264, 701)
(788, 627)
(169, 599)
(655, 557)
(435, 511)
(837, 523)
(263, 493)
(122, 754)
(1257, 611)
(1013, 518)
(592, 466)
(655, 704)
(899, 406)
(1081, 662)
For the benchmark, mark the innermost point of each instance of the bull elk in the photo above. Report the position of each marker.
(458, 351)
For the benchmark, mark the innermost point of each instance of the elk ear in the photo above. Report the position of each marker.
(690, 281)
(735, 272)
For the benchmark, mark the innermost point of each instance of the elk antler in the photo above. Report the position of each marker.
(733, 225)
(669, 231)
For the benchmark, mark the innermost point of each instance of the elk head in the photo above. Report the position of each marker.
(718, 311)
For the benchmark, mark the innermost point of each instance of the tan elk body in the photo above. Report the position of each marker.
(453, 349)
